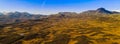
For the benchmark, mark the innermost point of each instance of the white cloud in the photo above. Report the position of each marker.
(116, 10)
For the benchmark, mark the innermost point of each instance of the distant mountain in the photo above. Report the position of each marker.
(100, 11)
(103, 10)
(1, 14)
(22, 15)
(14, 17)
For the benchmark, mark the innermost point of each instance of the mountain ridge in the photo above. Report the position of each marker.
(12, 17)
(101, 11)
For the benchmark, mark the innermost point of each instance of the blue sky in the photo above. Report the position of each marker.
(55, 6)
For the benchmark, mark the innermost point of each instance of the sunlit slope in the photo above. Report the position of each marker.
(64, 29)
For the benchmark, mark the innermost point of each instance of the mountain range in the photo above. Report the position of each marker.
(99, 26)
(15, 17)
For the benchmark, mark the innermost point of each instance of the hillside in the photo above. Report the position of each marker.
(64, 28)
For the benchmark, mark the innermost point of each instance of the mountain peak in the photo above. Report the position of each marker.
(99, 9)
(103, 10)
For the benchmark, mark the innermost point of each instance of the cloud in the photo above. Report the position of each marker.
(116, 10)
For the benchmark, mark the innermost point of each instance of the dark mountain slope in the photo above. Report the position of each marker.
(100, 11)
(103, 10)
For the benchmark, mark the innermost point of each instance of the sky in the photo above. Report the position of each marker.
(54, 6)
